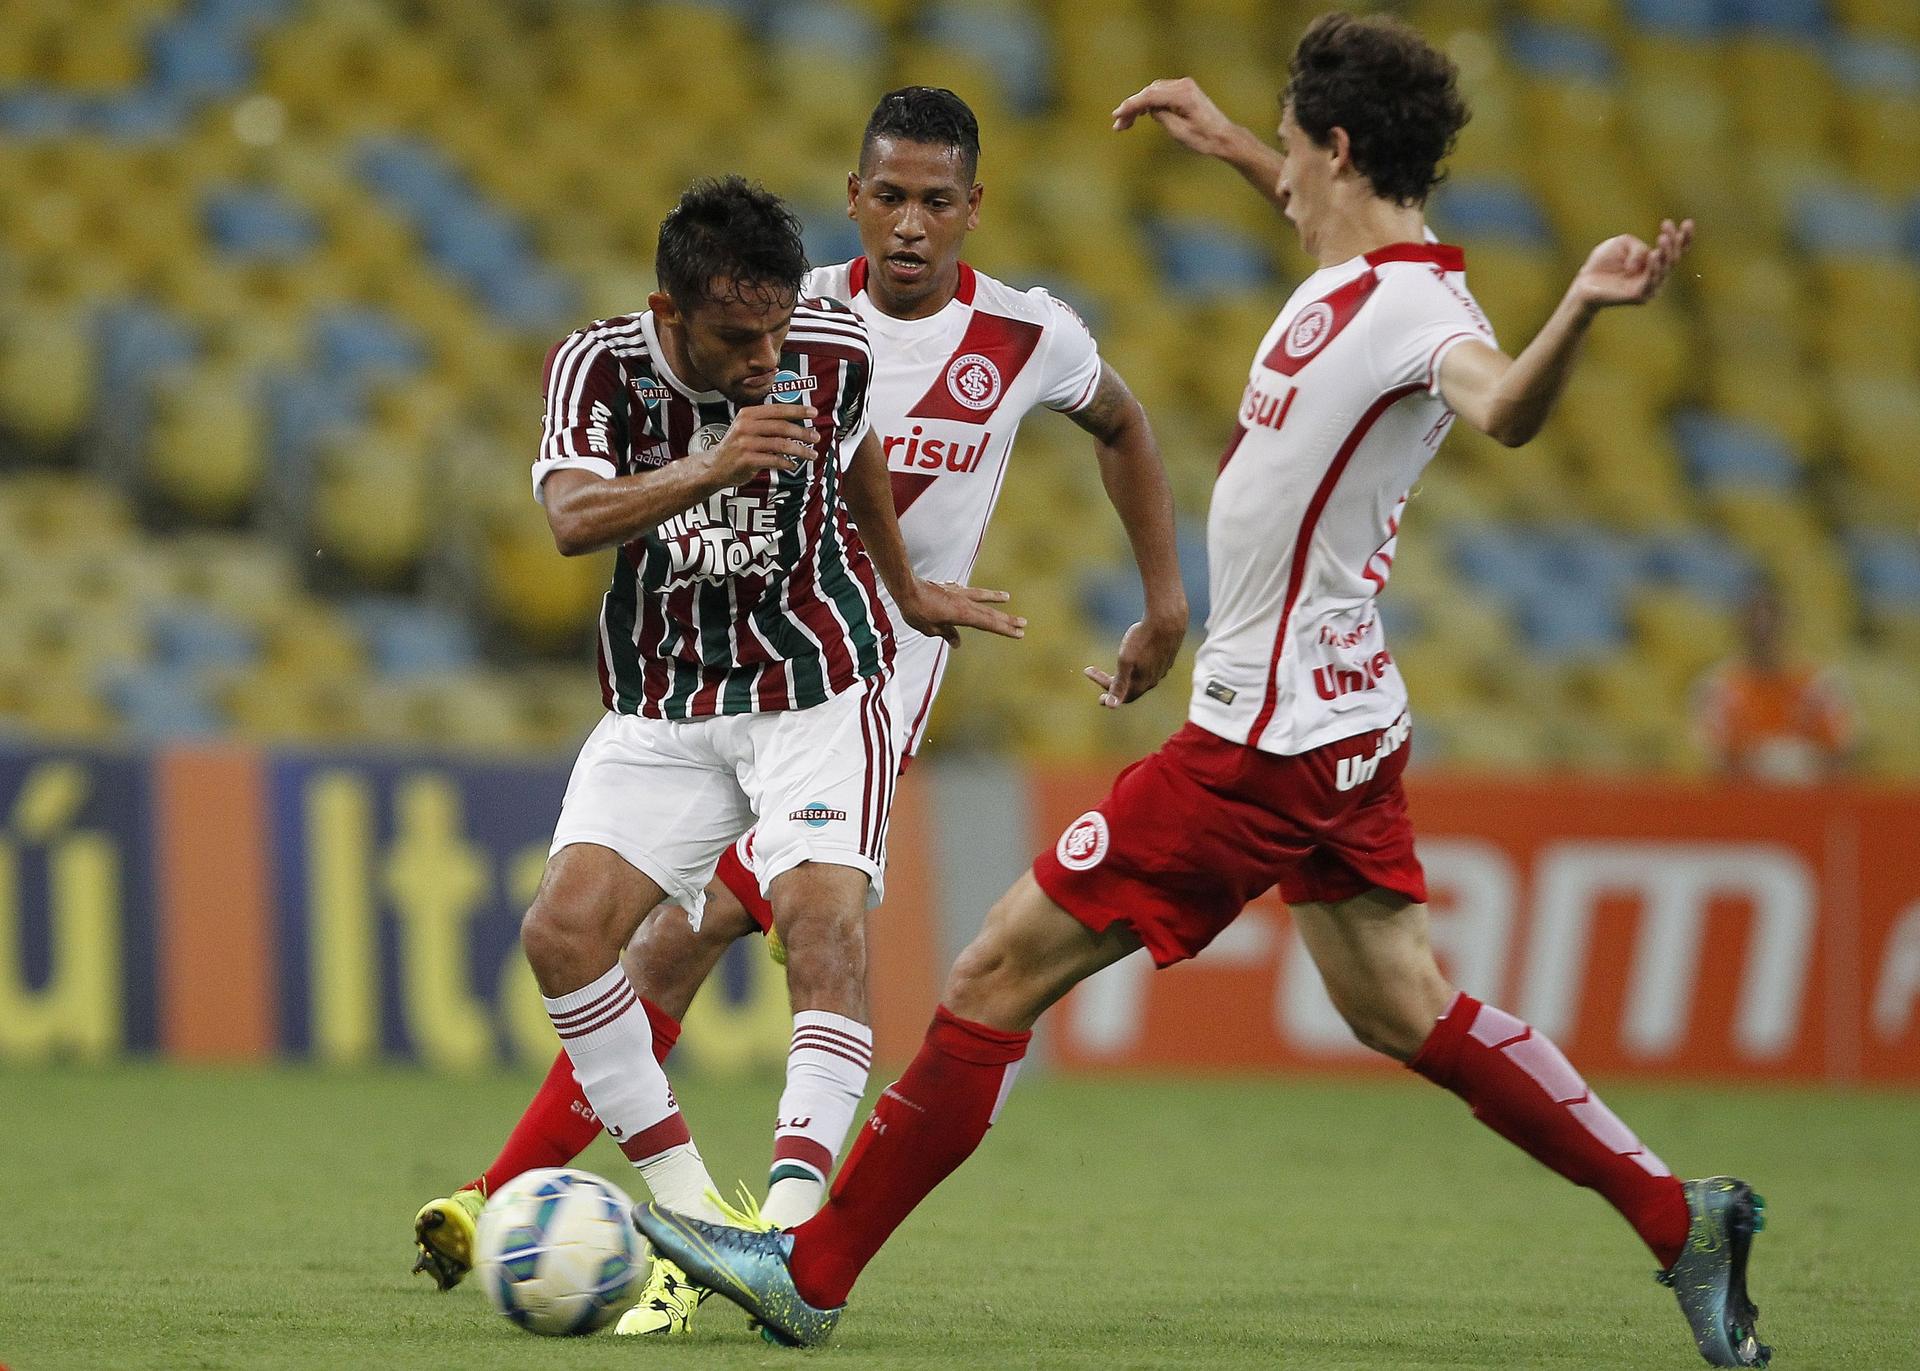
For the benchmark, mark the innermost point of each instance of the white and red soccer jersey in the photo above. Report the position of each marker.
(949, 392)
(1342, 412)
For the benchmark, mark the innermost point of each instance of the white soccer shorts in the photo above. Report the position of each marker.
(669, 797)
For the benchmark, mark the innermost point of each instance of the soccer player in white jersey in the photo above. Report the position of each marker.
(962, 360)
(1289, 771)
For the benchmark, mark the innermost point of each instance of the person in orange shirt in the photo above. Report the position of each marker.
(1767, 717)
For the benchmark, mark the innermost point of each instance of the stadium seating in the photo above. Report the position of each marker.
(276, 279)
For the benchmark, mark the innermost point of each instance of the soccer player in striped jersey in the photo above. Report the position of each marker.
(963, 359)
(1289, 771)
(721, 440)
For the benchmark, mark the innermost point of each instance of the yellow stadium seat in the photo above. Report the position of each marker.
(1877, 428)
(371, 507)
(48, 376)
(1870, 322)
(1882, 141)
(206, 452)
(1879, 18)
(1772, 392)
(542, 598)
(1655, 344)
(1680, 635)
(1755, 69)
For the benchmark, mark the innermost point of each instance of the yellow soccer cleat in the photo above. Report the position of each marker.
(776, 949)
(669, 1302)
(443, 1231)
(666, 1306)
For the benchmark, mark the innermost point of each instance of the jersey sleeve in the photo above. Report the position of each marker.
(1070, 361)
(853, 417)
(585, 425)
(1421, 318)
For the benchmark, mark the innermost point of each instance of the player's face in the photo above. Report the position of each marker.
(1306, 177)
(731, 341)
(915, 205)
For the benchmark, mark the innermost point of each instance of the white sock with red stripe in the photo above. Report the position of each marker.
(827, 1069)
(610, 1042)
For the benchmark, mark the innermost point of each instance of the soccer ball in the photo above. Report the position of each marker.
(557, 1253)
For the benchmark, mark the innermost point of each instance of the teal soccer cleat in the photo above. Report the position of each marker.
(749, 1267)
(1710, 1276)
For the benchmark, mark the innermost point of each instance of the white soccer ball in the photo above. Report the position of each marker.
(557, 1253)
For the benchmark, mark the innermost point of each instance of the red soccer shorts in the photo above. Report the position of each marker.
(1191, 834)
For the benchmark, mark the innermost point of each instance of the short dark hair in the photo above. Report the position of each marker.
(925, 114)
(1397, 97)
(727, 229)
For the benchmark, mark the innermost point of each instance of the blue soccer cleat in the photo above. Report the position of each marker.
(1710, 1276)
(748, 1266)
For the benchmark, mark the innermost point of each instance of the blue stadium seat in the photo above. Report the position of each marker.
(532, 299)
(189, 639)
(1875, 64)
(1687, 18)
(829, 236)
(1560, 51)
(1702, 564)
(1198, 257)
(824, 24)
(34, 112)
(1113, 600)
(1887, 567)
(358, 341)
(302, 408)
(1725, 452)
(1012, 42)
(257, 223)
(200, 57)
(1805, 18)
(408, 638)
(1483, 208)
(142, 116)
(137, 341)
(1843, 219)
(158, 705)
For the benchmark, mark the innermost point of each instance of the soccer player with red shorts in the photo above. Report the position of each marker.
(1289, 772)
(962, 359)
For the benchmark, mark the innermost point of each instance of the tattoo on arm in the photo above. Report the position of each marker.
(1105, 415)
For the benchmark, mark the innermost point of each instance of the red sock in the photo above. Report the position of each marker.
(1522, 1087)
(558, 1122)
(924, 1126)
(734, 875)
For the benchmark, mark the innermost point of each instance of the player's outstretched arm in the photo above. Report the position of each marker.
(588, 512)
(938, 609)
(1136, 484)
(1509, 398)
(1189, 115)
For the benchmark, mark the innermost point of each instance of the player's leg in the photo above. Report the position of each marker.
(1374, 956)
(589, 903)
(1029, 954)
(1373, 953)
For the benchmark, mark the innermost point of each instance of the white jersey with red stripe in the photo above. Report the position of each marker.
(1341, 414)
(948, 395)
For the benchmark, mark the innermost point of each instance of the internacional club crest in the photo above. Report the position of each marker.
(1310, 329)
(974, 381)
(1084, 843)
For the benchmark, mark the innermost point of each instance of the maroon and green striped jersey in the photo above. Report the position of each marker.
(762, 597)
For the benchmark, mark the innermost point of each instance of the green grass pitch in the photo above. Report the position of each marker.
(165, 1218)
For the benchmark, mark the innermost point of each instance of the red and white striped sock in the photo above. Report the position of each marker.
(610, 1042)
(1522, 1087)
(827, 1069)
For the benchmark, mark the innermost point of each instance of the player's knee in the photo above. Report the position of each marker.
(989, 985)
(544, 936)
(1391, 1026)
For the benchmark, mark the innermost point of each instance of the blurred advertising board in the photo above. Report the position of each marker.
(228, 904)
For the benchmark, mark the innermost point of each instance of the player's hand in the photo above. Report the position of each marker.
(1627, 271)
(763, 438)
(940, 609)
(1185, 111)
(1147, 651)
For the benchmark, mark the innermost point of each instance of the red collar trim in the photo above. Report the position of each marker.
(1442, 255)
(857, 280)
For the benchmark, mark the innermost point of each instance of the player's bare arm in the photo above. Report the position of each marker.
(935, 608)
(1191, 118)
(1136, 485)
(588, 512)
(1509, 398)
